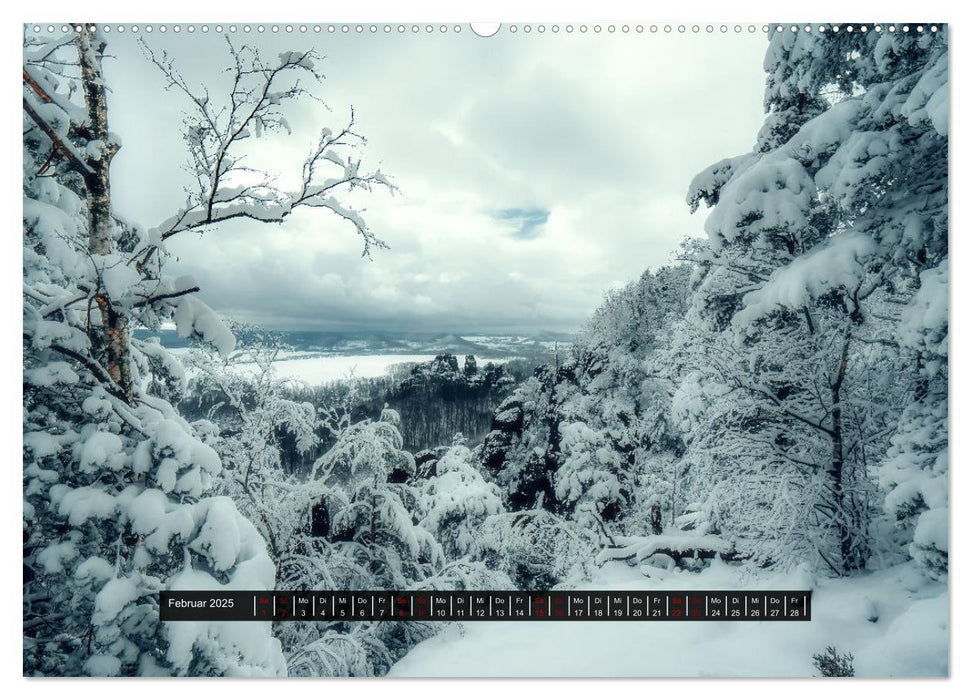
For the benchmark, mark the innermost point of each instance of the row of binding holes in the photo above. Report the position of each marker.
(861, 28)
(513, 28)
(259, 28)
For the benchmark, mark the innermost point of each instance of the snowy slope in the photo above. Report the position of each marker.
(909, 636)
(319, 369)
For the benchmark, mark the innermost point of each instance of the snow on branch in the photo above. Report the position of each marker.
(677, 546)
(839, 262)
(225, 187)
(35, 112)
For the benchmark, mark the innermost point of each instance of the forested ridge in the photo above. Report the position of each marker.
(775, 399)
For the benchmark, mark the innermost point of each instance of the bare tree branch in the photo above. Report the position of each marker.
(160, 297)
(225, 188)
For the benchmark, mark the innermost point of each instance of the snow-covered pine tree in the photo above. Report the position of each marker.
(617, 443)
(915, 472)
(116, 483)
(323, 530)
(456, 500)
(591, 439)
(249, 418)
(818, 242)
(364, 519)
(372, 513)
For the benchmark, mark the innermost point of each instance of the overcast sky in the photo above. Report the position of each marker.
(536, 172)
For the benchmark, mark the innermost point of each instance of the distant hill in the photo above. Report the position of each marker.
(406, 343)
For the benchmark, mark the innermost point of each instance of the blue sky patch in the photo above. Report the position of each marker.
(527, 220)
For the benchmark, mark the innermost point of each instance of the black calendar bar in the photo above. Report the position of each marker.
(448, 606)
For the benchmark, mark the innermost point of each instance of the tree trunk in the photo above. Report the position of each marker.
(848, 561)
(373, 565)
(656, 526)
(100, 240)
(114, 340)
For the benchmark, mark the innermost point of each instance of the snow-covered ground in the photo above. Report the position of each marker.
(908, 636)
(319, 369)
(314, 368)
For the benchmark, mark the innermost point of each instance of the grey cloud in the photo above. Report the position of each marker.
(589, 140)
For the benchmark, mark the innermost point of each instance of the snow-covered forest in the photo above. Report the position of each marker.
(769, 410)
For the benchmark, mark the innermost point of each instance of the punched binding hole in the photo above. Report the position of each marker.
(485, 29)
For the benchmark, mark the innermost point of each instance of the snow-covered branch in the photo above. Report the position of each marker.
(228, 189)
